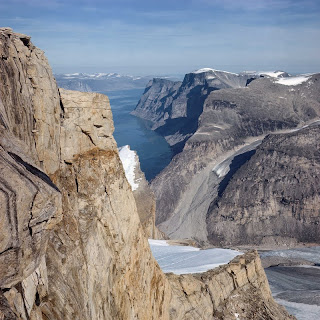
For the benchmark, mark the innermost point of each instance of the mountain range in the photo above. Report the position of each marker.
(215, 122)
(101, 82)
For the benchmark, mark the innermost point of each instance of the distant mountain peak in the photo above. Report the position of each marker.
(203, 70)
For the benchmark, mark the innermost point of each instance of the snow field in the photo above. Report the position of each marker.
(292, 81)
(128, 159)
(185, 259)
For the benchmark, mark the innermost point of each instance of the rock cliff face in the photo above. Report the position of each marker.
(143, 195)
(232, 124)
(30, 203)
(174, 107)
(72, 245)
(275, 190)
(237, 290)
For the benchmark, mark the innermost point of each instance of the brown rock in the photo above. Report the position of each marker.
(237, 290)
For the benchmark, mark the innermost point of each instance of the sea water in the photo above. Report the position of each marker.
(153, 150)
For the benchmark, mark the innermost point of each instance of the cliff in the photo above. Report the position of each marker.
(237, 290)
(275, 190)
(143, 195)
(232, 124)
(72, 245)
(174, 107)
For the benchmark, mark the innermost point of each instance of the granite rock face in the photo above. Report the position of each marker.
(72, 245)
(29, 201)
(275, 190)
(233, 123)
(237, 290)
(100, 225)
(146, 204)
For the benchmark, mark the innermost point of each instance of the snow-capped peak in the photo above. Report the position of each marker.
(272, 74)
(202, 70)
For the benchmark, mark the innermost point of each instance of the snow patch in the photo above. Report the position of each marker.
(222, 168)
(128, 159)
(212, 70)
(272, 74)
(292, 81)
(211, 77)
(186, 259)
(153, 242)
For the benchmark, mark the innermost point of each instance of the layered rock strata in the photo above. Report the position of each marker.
(72, 245)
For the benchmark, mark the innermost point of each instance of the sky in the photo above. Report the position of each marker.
(154, 37)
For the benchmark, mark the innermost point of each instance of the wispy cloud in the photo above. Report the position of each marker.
(181, 34)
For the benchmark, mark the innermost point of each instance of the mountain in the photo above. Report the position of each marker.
(274, 197)
(174, 107)
(72, 245)
(232, 124)
(100, 82)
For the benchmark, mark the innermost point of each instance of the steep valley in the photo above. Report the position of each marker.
(247, 177)
(234, 121)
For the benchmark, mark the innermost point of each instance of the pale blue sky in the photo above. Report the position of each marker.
(176, 36)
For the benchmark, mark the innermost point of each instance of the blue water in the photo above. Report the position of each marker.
(153, 150)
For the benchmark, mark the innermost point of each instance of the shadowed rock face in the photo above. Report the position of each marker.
(232, 119)
(274, 197)
(174, 107)
(71, 242)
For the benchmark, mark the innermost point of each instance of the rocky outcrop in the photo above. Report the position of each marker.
(276, 190)
(233, 123)
(238, 290)
(72, 245)
(174, 107)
